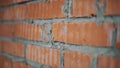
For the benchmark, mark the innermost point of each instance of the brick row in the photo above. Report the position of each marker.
(21, 30)
(34, 11)
(77, 60)
(28, 31)
(7, 63)
(81, 8)
(6, 30)
(90, 34)
(46, 56)
(108, 62)
(10, 2)
(13, 48)
(84, 8)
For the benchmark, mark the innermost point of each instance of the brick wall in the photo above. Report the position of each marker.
(59, 34)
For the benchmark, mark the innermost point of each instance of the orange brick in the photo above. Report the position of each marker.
(77, 60)
(5, 2)
(112, 7)
(6, 30)
(84, 33)
(5, 62)
(50, 57)
(28, 31)
(21, 12)
(13, 13)
(2, 13)
(108, 62)
(20, 65)
(9, 14)
(13, 48)
(83, 8)
(45, 10)
(10, 2)
(118, 36)
(0, 45)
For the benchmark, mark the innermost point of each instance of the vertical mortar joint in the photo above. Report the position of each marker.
(100, 11)
(94, 63)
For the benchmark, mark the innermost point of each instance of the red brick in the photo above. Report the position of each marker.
(84, 33)
(2, 13)
(45, 10)
(28, 31)
(5, 2)
(50, 57)
(108, 62)
(6, 30)
(21, 12)
(20, 65)
(83, 8)
(112, 7)
(5, 62)
(0, 46)
(77, 60)
(118, 36)
(13, 48)
(9, 14)
(13, 13)
(10, 2)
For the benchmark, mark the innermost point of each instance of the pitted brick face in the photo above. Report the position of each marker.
(84, 33)
(40, 10)
(28, 31)
(83, 8)
(77, 60)
(108, 62)
(10, 2)
(14, 48)
(5, 62)
(112, 7)
(59, 34)
(6, 30)
(47, 56)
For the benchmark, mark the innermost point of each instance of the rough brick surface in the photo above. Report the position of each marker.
(118, 36)
(108, 62)
(9, 14)
(83, 8)
(77, 60)
(112, 7)
(2, 14)
(5, 62)
(6, 30)
(14, 13)
(50, 57)
(0, 46)
(27, 31)
(83, 33)
(20, 65)
(10, 2)
(21, 12)
(40, 10)
(13, 48)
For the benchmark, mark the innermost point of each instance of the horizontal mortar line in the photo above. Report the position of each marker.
(22, 3)
(76, 48)
(22, 60)
(97, 51)
(70, 20)
(31, 42)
